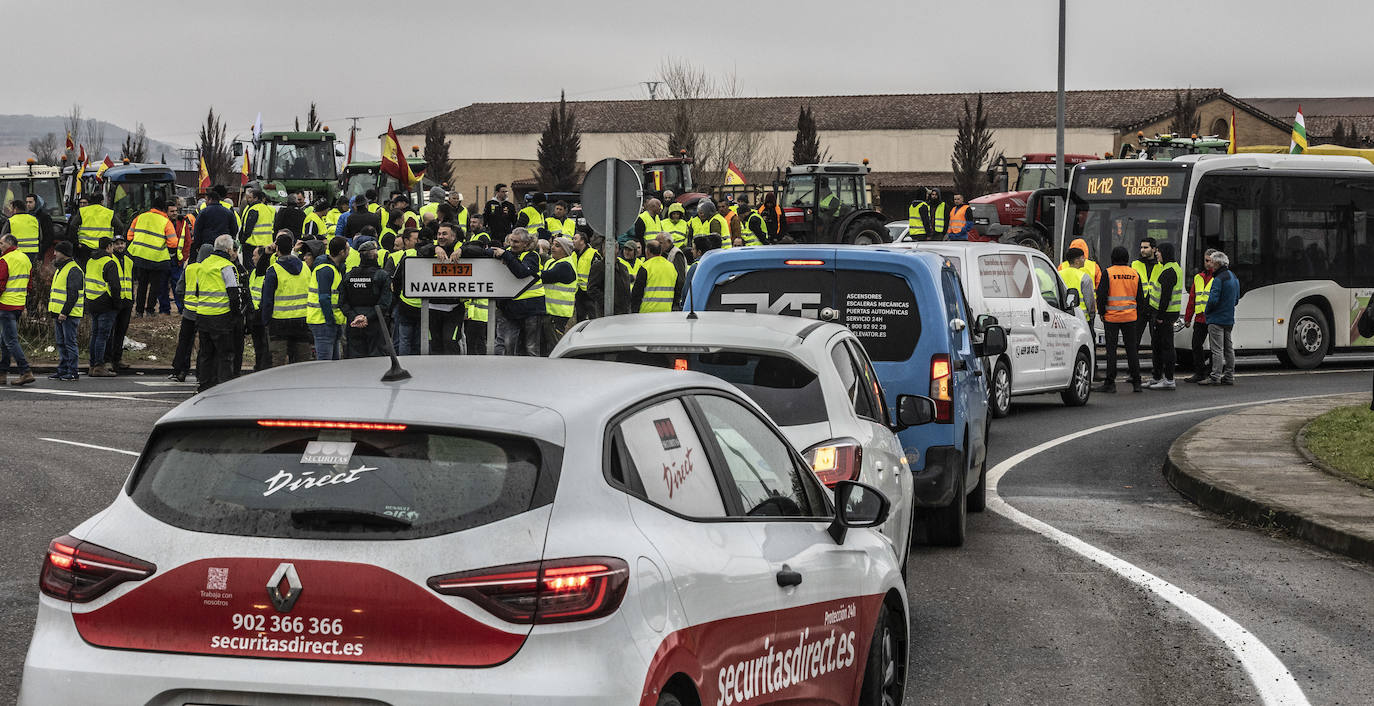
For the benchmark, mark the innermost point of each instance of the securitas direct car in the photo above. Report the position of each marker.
(310, 534)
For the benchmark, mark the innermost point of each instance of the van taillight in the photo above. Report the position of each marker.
(553, 591)
(942, 388)
(836, 460)
(79, 571)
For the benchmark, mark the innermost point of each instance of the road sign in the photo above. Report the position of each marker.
(483, 278)
(611, 194)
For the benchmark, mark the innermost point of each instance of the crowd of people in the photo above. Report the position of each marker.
(326, 280)
(1147, 294)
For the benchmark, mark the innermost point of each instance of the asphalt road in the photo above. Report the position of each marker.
(1009, 618)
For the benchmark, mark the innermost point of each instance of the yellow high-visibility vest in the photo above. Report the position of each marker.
(95, 224)
(678, 229)
(1202, 291)
(584, 267)
(57, 300)
(126, 277)
(559, 297)
(314, 313)
(288, 299)
(915, 221)
(95, 276)
(534, 219)
(661, 284)
(24, 228)
(150, 237)
(17, 284)
(262, 228)
(1176, 303)
(538, 289)
(212, 294)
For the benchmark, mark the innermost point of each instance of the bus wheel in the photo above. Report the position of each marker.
(1309, 335)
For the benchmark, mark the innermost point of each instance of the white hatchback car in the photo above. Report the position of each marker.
(508, 530)
(1050, 346)
(813, 378)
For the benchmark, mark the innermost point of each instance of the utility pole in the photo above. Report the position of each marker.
(1059, 135)
(653, 88)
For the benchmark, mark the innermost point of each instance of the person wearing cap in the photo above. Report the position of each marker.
(314, 222)
(675, 225)
(559, 276)
(66, 304)
(353, 222)
(401, 216)
(216, 218)
(750, 222)
(367, 290)
(436, 197)
(101, 290)
(14, 296)
(183, 224)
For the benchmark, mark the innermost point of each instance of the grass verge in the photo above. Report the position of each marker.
(1344, 440)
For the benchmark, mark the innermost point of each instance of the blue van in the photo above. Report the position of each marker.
(908, 309)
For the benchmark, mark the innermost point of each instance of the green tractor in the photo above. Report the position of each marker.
(358, 177)
(1165, 147)
(283, 162)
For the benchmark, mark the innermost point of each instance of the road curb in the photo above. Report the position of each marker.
(1212, 492)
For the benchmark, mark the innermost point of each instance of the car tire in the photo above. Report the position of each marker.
(978, 499)
(999, 390)
(948, 526)
(668, 698)
(1309, 337)
(885, 673)
(1080, 383)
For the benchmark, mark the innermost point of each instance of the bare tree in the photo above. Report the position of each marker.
(135, 148)
(704, 115)
(45, 149)
(95, 139)
(438, 165)
(214, 148)
(73, 124)
(972, 146)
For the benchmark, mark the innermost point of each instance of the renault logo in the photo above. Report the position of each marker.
(284, 601)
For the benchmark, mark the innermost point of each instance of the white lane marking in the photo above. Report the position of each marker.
(89, 446)
(163, 383)
(1270, 677)
(1305, 372)
(92, 395)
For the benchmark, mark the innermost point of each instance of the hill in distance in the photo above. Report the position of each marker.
(17, 130)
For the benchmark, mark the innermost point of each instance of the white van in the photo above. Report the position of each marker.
(1049, 342)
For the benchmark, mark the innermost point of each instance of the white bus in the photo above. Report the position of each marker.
(1299, 231)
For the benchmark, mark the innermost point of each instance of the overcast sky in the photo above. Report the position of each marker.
(413, 59)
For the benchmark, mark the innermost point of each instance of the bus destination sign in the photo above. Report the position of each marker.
(1117, 186)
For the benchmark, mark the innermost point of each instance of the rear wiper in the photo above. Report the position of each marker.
(328, 518)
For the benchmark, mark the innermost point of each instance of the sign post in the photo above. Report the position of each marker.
(611, 195)
(478, 278)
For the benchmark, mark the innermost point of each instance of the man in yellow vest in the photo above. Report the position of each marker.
(91, 221)
(282, 305)
(1078, 279)
(152, 262)
(1165, 305)
(531, 217)
(436, 197)
(657, 285)
(114, 355)
(215, 298)
(315, 223)
(66, 304)
(1145, 266)
(101, 289)
(520, 320)
(918, 218)
(560, 291)
(647, 226)
(1195, 316)
(25, 229)
(322, 311)
(751, 226)
(587, 259)
(937, 215)
(14, 296)
(676, 225)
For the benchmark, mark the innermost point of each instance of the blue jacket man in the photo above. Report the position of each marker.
(1221, 317)
(1221, 303)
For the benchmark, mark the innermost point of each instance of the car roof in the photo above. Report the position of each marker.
(714, 328)
(961, 248)
(532, 396)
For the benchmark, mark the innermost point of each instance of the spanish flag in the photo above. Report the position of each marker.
(105, 164)
(70, 145)
(733, 175)
(1298, 142)
(82, 157)
(204, 183)
(1231, 135)
(394, 159)
(243, 175)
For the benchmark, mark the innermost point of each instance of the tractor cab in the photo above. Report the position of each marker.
(828, 203)
(282, 162)
(669, 174)
(358, 177)
(128, 189)
(40, 180)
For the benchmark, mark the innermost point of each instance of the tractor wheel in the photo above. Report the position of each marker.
(866, 230)
(1026, 237)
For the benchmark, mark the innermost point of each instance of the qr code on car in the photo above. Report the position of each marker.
(217, 580)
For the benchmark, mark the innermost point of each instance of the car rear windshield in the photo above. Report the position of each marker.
(785, 389)
(346, 484)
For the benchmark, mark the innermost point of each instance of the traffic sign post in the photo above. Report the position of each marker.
(479, 278)
(611, 195)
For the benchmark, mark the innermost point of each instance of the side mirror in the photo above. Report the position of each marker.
(857, 505)
(994, 342)
(981, 324)
(914, 410)
(1071, 300)
(1211, 220)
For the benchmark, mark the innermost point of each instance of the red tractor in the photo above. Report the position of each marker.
(669, 174)
(1002, 216)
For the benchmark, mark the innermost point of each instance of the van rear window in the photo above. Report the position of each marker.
(785, 389)
(348, 484)
(878, 307)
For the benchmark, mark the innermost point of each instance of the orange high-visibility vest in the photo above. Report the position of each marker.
(1122, 285)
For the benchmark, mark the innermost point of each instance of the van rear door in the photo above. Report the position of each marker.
(791, 287)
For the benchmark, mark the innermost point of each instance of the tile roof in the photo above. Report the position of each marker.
(1107, 109)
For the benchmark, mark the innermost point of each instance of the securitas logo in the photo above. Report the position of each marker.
(775, 670)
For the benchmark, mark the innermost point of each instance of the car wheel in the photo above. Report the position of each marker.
(947, 526)
(999, 392)
(978, 499)
(668, 698)
(1081, 384)
(1309, 335)
(885, 674)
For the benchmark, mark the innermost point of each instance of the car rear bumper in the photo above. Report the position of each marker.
(595, 664)
(934, 482)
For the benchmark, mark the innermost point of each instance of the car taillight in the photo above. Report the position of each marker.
(79, 571)
(836, 460)
(552, 591)
(942, 388)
